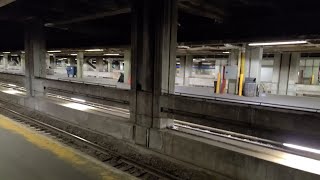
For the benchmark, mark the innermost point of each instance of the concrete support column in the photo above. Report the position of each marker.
(23, 62)
(47, 61)
(154, 41)
(186, 63)
(293, 74)
(127, 66)
(110, 66)
(100, 64)
(284, 73)
(5, 61)
(276, 73)
(182, 69)
(188, 70)
(54, 62)
(253, 62)
(80, 61)
(35, 56)
(72, 61)
(233, 61)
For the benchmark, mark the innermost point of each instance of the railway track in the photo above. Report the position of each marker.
(191, 128)
(107, 156)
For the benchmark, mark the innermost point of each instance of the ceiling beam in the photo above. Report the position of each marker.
(201, 8)
(89, 17)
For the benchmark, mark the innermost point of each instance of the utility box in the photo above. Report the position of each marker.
(231, 72)
(72, 71)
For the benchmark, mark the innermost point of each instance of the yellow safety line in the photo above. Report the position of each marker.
(65, 153)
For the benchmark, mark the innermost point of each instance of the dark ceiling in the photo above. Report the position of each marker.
(90, 23)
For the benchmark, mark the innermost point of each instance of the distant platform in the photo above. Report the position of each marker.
(311, 104)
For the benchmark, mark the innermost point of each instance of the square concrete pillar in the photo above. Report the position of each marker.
(5, 60)
(80, 61)
(47, 61)
(100, 64)
(22, 63)
(35, 56)
(153, 66)
(284, 73)
(293, 74)
(276, 73)
(127, 66)
(182, 67)
(253, 63)
(110, 66)
(233, 61)
(188, 70)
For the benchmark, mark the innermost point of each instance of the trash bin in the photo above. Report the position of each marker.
(72, 71)
(250, 87)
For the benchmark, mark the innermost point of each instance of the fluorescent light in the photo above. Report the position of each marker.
(112, 54)
(79, 100)
(77, 106)
(50, 54)
(6, 52)
(178, 63)
(12, 85)
(73, 54)
(94, 50)
(22, 52)
(14, 54)
(278, 43)
(302, 148)
(183, 47)
(226, 52)
(11, 91)
(54, 51)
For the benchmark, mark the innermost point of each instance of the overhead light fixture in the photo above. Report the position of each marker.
(114, 54)
(54, 51)
(50, 54)
(14, 54)
(203, 59)
(79, 100)
(12, 85)
(278, 43)
(302, 148)
(226, 52)
(73, 54)
(6, 52)
(77, 106)
(11, 91)
(183, 47)
(22, 52)
(94, 50)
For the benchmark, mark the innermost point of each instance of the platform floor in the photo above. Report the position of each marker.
(29, 155)
(288, 102)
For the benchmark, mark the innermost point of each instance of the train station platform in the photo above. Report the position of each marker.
(30, 155)
(303, 103)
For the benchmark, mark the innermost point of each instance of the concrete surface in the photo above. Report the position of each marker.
(93, 80)
(28, 155)
(288, 102)
(233, 159)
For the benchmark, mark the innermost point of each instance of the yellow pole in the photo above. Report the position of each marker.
(312, 79)
(242, 71)
(218, 84)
